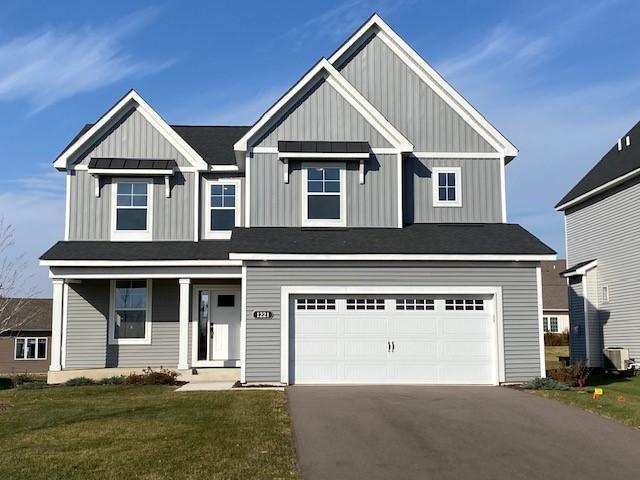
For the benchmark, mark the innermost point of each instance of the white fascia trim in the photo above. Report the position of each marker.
(582, 270)
(140, 263)
(433, 79)
(599, 189)
(496, 156)
(287, 291)
(131, 276)
(123, 171)
(151, 115)
(543, 366)
(503, 191)
(321, 156)
(404, 257)
(224, 168)
(344, 88)
(67, 207)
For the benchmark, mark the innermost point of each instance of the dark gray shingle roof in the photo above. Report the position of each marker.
(131, 163)
(31, 314)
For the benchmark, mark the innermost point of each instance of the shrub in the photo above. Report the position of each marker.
(545, 384)
(6, 383)
(21, 378)
(117, 380)
(152, 377)
(35, 385)
(79, 381)
(575, 375)
(556, 339)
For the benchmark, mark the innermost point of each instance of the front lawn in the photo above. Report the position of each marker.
(621, 399)
(552, 356)
(148, 432)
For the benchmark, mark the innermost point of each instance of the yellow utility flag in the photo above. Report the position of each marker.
(597, 392)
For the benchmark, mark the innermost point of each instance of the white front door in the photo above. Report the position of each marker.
(216, 326)
(400, 339)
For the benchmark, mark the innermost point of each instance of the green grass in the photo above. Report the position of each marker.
(148, 432)
(551, 355)
(626, 411)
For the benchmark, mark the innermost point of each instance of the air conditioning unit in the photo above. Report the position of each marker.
(616, 358)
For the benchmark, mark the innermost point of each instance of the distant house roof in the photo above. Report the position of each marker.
(30, 314)
(616, 164)
(554, 285)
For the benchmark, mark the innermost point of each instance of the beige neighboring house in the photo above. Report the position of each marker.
(555, 308)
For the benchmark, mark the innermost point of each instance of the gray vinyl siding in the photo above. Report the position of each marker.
(132, 137)
(203, 199)
(607, 229)
(593, 320)
(321, 114)
(90, 216)
(409, 103)
(87, 323)
(481, 191)
(278, 204)
(520, 304)
(577, 345)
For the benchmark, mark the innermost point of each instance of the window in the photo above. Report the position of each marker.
(463, 304)
(316, 304)
(414, 304)
(223, 207)
(131, 211)
(545, 324)
(605, 294)
(553, 324)
(446, 187)
(32, 348)
(226, 300)
(130, 319)
(365, 303)
(323, 195)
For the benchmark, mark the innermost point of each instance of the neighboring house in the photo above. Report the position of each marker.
(602, 228)
(555, 296)
(24, 347)
(356, 233)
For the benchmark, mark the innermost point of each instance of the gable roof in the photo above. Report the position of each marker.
(36, 311)
(614, 168)
(554, 285)
(130, 100)
(431, 77)
(346, 90)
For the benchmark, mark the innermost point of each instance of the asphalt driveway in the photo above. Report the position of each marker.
(452, 433)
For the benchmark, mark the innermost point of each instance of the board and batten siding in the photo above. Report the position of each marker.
(520, 304)
(407, 102)
(275, 203)
(87, 323)
(321, 114)
(480, 191)
(607, 229)
(90, 216)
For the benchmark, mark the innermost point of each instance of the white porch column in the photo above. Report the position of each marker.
(183, 357)
(56, 324)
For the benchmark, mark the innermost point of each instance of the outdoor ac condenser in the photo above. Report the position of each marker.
(616, 358)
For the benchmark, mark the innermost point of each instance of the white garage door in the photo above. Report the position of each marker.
(399, 339)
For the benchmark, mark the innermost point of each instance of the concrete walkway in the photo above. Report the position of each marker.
(434, 433)
(205, 386)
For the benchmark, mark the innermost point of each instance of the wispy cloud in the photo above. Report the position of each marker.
(48, 66)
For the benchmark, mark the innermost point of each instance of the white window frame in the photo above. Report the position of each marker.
(37, 339)
(112, 318)
(606, 294)
(557, 324)
(221, 234)
(545, 325)
(131, 235)
(306, 221)
(457, 171)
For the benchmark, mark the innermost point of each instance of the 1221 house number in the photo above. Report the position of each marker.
(262, 314)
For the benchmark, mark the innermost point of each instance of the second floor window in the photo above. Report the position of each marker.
(324, 195)
(222, 207)
(446, 187)
(131, 213)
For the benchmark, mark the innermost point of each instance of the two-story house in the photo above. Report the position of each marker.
(602, 227)
(356, 233)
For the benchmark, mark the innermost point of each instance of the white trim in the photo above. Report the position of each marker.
(585, 306)
(112, 317)
(197, 205)
(595, 191)
(224, 168)
(221, 234)
(457, 171)
(361, 171)
(503, 190)
(67, 207)
(144, 275)
(321, 155)
(247, 181)
(167, 187)
(345, 89)
(433, 79)
(133, 99)
(25, 339)
(385, 150)
(260, 149)
(285, 170)
(56, 324)
(582, 270)
(287, 291)
(406, 257)
(183, 345)
(130, 171)
(456, 155)
(63, 343)
(243, 326)
(96, 185)
(131, 235)
(543, 366)
(399, 186)
(140, 263)
(306, 221)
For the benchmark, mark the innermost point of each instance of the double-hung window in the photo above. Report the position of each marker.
(30, 348)
(222, 207)
(131, 211)
(447, 191)
(323, 199)
(130, 318)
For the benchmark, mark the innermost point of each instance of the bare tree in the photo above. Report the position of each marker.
(16, 309)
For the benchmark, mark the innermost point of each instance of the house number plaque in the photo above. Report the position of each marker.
(262, 314)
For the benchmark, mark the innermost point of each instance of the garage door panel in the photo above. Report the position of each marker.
(421, 349)
(411, 372)
(323, 349)
(373, 325)
(317, 372)
(460, 349)
(411, 324)
(374, 349)
(322, 325)
(364, 372)
(467, 325)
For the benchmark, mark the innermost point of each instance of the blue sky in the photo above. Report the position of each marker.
(561, 79)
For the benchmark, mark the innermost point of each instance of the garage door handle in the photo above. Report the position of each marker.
(389, 345)
(393, 347)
